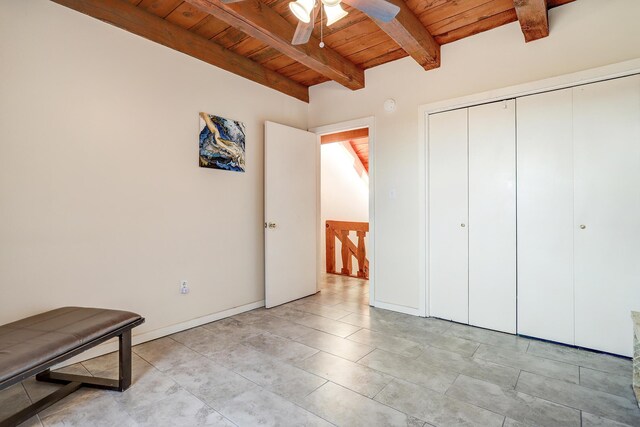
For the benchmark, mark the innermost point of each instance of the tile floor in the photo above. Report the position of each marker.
(330, 359)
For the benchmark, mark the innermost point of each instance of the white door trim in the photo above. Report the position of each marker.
(621, 69)
(365, 122)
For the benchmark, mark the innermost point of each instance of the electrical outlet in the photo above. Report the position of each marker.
(184, 287)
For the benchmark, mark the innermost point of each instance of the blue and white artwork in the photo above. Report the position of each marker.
(221, 143)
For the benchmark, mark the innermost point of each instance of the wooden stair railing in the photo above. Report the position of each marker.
(340, 230)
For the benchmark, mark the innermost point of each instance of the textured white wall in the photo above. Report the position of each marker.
(101, 199)
(102, 202)
(344, 193)
(584, 34)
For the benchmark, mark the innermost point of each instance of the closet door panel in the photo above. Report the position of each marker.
(607, 213)
(492, 216)
(448, 240)
(545, 216)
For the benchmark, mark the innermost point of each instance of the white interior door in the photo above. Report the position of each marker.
(545, 216)
(291, 209)
(448, 210)
(607, 213)
(492, 216)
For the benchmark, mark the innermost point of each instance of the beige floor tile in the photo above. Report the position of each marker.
(345, 348)
(527, 362)
(329, 326)
(411, 370)
(263, 408)
(351, 375)
(435, 408)
(281, 348)
(344, 407)
(514, 405)
(592, 401)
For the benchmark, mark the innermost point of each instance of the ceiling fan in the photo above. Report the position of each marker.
(307, 10)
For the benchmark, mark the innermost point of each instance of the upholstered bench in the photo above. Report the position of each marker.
(33, 345)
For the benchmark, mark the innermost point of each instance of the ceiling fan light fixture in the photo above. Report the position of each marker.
(302, 9)
(334, 13)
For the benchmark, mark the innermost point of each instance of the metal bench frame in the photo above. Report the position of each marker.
(74, 382)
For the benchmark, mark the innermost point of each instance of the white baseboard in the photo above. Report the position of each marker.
(112, 345)
(399, 308)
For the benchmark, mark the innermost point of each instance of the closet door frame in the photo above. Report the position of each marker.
(608, 72)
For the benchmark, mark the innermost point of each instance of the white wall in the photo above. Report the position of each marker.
(584, 34)
(102, 202)
(344, 190)
(101, 199)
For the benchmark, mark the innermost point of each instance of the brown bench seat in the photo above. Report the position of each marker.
(32, 345)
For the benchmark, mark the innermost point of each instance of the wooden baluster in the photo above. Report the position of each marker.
(340, 230)
(330, 236)
(361, 254)
(346, 256)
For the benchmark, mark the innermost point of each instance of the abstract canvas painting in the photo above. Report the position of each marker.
(221, 143)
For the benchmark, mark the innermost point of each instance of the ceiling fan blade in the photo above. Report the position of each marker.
(230, 1)
(302, 34)
(378, 9)
(303, 31)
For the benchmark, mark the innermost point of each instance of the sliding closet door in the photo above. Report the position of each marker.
(448, 240)
(492, 216)
(607, 212)
(545, 216)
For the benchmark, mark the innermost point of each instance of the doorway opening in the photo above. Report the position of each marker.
(344, 249)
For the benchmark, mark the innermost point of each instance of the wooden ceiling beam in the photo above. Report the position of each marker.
(124, 15)
(468, 30)
(555, 3)
(412, 36)
(258, 20)
(533, 18)
(344, 136)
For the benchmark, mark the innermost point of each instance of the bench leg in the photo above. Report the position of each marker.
(124, 361)
(124, 376)
(40, 405)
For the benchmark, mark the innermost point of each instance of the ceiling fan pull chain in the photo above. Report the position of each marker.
(321, 28)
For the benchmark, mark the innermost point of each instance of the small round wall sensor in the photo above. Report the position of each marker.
(390, 105)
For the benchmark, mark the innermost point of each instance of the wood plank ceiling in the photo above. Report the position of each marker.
(358, 139)
(251, 37)
(361, 148)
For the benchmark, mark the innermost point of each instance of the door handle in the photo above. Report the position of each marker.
(582, 226)
(272, 225)
(462, 225)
